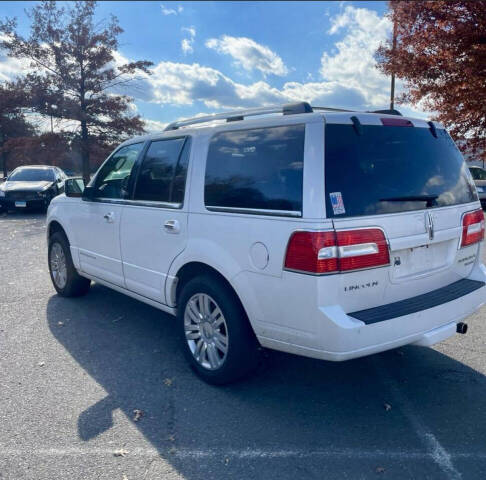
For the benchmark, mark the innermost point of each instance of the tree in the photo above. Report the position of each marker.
(13, 123)
(440, 53)
(74, 72)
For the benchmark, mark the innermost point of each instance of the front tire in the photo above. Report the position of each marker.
(65, 278)
(217, 338)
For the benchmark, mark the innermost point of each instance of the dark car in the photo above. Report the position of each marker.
(31, 187)
(479, 176)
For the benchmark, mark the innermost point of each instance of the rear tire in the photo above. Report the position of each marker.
(65, 278)
(217, 339)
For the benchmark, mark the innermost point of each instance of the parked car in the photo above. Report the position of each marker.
(327, 234)
(479, 177)
(31, 187)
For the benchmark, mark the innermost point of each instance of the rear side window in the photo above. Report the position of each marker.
(392, 169)
(162, 175)
(256, 169)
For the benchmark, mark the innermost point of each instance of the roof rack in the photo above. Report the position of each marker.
(235, 115)
(238, 115)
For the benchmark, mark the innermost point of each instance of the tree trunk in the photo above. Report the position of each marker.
(3, 156)
(85, 152)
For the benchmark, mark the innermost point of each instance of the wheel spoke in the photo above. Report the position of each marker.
(221, 342)
(213, 356)
(216, 313)
(193, 312)
(193, 335)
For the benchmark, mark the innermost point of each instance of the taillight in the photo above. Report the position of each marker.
(472, 228)
(337, 251)
(313, 252)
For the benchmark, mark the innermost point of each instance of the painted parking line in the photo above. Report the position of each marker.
(432, 445)
(351, 453)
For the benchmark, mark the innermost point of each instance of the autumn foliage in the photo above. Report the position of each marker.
(75, 75)
(441, 56)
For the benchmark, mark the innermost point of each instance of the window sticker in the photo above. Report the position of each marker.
(337, 203)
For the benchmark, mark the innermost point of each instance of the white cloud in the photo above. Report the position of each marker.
(154, 126)
(354, 65)
(11, 67)
(249, 54)
(171, 11)
(187, 43)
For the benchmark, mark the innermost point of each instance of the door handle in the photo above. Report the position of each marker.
(109, 217)
(172, 226)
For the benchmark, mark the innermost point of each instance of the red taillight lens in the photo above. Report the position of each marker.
(303, 252)
(472, 228)
(359, 249)
(330, 252)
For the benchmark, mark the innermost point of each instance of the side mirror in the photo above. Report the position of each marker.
(74, 187)
(88, 193)
(59, 180)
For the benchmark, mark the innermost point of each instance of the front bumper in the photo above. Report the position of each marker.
(30, 203)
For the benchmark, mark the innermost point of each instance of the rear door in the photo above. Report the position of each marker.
(408, 179)
(154, 223)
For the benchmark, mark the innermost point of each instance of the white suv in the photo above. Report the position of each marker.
(329, 234)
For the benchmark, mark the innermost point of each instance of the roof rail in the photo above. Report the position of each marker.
(332, 109)
(235, 115)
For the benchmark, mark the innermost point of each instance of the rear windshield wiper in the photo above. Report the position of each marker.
(428, 199)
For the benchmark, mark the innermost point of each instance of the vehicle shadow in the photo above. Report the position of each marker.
(347, 411)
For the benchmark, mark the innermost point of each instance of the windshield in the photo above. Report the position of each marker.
(392, 169)
(478, 173)
(32, 175)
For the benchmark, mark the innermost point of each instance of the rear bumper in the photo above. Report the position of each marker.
(341, 336)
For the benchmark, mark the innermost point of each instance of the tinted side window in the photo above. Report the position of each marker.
(259, 169)
(112, 179)
(162, 175)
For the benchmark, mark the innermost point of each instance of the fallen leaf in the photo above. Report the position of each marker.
(138, 415)
(41, 364)
(226, 461)
(124, 477)
(168, 382)
(387, 407)
(60, 323)
(171, 438)
(120, 452)
(380, 469)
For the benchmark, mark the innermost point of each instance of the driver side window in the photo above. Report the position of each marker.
(112, 180)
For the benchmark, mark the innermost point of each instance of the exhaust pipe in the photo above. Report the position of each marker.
(461, 328)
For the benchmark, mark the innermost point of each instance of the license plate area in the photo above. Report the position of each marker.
(21, 203)
(422, 260)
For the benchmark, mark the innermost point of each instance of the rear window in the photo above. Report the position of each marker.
(392, 169)
(257, 169)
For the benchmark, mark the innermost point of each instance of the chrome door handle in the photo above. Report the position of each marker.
(172, 226)
(109, 217)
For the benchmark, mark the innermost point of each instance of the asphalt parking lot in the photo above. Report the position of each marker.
(96, 388)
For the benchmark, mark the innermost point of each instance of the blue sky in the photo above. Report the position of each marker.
(212, 56)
